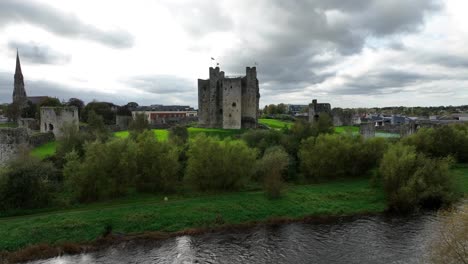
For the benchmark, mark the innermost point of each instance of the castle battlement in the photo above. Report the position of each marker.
(228, 101)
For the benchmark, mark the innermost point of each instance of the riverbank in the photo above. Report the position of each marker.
(73, 230)
(152, 214)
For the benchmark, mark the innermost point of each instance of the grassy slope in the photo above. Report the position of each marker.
(151, 214)
(346, 129)
(274, 123)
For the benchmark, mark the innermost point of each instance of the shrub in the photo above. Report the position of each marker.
(412, 180)
(337, 156)
(449, 140)
(106, 170)
(97, 129)
(272, 167)
(219, 165)
(157, 164)
(138, 125)
(178, 135)
(263, 139)
(27, 183)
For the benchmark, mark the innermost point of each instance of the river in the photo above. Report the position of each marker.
(364, 239)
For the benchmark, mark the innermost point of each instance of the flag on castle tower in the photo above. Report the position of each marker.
(212, 58)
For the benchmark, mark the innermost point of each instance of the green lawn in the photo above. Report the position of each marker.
(8, 124)
(43, 151)
(150, 213)
(160, 134)
(274, 123)
(347, 129)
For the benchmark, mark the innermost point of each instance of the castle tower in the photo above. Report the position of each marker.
(19, 93)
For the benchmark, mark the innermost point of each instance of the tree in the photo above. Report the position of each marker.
(106, 170)
(412, 180)
(178, 135)
(77, 103)
(272, 166)
(138, 124)
(219, 165)
(104, 109)
(97, 128)
(51, 101)
(157, 164)
(27, 183)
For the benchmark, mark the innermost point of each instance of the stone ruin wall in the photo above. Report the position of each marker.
(232, 103)
(53, 119)
(11, 140)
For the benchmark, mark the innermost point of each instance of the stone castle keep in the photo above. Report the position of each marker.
(228, 102)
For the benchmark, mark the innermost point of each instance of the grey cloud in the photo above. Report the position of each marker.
(53, 20)
(285, 36)
(161, 84)
(381, 81)
(38, 53)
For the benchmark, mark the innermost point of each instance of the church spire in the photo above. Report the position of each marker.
(19, 93)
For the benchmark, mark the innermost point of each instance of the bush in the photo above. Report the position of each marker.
(338, 156)
(106, 170)
(219, 165)
(263, 139)
(27, 183)
(272, 166)
(97, 129)
(412, 180)
(178, 135)
(138, 125)
(449, 140)
(157, 164)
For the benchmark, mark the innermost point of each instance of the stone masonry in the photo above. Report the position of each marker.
(228, 102)
(317, 109)
(53, 119)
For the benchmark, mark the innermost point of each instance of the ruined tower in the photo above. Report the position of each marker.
(317, 109)
(19, 93)
(228, 102)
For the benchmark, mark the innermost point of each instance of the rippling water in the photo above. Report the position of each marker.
(376, 239)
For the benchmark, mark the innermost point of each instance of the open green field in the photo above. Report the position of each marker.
(274, 123)
(160, 134)
(151, 213)
(8, 124)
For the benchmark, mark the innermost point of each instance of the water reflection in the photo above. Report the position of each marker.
(376, 239)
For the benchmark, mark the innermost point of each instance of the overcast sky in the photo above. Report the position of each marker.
(358, 53)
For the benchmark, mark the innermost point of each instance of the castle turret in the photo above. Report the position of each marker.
(19, 93)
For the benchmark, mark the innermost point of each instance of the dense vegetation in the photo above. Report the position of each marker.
(93, 165)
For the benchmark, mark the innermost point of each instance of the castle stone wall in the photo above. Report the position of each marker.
(54, 118)
(10, 141)
(232, 103)
(214, 95)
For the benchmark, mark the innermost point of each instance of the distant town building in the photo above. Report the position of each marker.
(228, 102)
(165, 114)
(295, 109)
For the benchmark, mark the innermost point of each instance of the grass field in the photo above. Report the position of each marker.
(275, 123)
(151, 213)
(43, 151)
(8, 124)
(347, 129)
